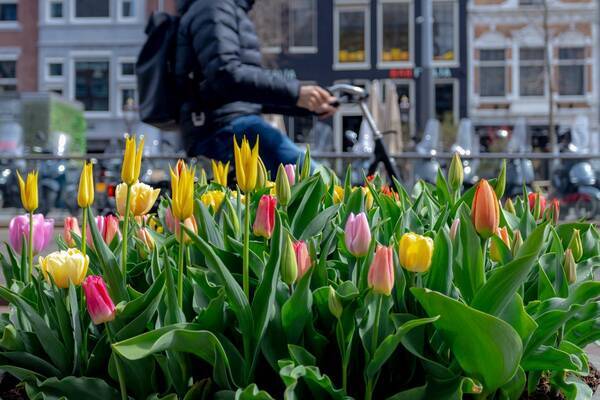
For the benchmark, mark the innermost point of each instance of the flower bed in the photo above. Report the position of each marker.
(305, 287)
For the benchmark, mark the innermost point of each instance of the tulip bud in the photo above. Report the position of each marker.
(302, 258)
(334, 303)
(415, 252)
(264, 222)
(501, 181)
(233, 216)
(575, 245)
(29, 190)
(213, 198)
(381, 272)
(132, 160)
(289, 266)
(99, 304)
(357, 235)
(485, 211)
(509, 206)
(146, 238)
(537, 204)
(182, 192)
(202, 180)
(282, 186)
(553, 212)
(261, 174)
(290, 170)
(246, 164)
(456, 173)
(570, 266)
(454, 228)
(18, 230)
(108, 227)
(368, 198)
(65, 267)
(517, 242)
(220, 172)
(502, 233)
(338, 194)
(306, 164)
(85, 194)
(190, 224)
(70, 226)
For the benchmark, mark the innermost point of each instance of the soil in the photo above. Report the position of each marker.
(544, 392)
(10, 388)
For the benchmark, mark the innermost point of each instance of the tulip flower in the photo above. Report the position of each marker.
(65, 267)
(537, 204)
(517, 243)
(576, 245)
(182, 190)
(368, 198)
(289, 266)
(246, 164)
(264, 222)
(338, 194)
(174, 226)
(108, 227)
(381, 272)
(290, 170)
(141, 198)
(132, 160)
(502, 233)
(282, 186)
(509, 206)
(85, 195)
(570, 266)
(144, 235)
(485, 211)
(29, 191)
(553, 211)
(18, 229)
(334, 304)
(99, 304)
(302, 258)
(454, 228)
(202, 181)
(357, 234)
(220, 172)
(71, 226)
(456, 173)
(415, 252)
(213, 198)
(261, 174)
(501, 181)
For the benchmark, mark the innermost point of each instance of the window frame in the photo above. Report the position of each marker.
(54, 60)
(92, 56)
(120, 76)
(123, 19)
(119, 96)
(411, 36)
(583, 62)
(10, 25)
(304, 49)
(529, 63)
(351, 7)
(89, 20)
(456, 37)
(11, 56)
(478, 64)
(49, 18)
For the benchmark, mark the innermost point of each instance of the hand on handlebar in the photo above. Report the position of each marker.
(318, 100)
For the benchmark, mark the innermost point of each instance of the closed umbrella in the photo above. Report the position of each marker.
(392, 120)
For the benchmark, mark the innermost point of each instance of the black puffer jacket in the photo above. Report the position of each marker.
(217, 43)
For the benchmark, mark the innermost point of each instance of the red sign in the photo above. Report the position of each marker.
(401, 73)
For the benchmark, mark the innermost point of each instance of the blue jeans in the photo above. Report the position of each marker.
(274, 147)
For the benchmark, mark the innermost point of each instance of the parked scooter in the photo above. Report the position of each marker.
(426, 169)
(467, 145)
(519, 171)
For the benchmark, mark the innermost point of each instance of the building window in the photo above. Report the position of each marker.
(128, 99)
(8, 11)
(266, 16)
(531, 2)
(92, 8)
(56, 10)
(8, 76)
(531, 71)
(127, 9)
(303, 25)
(127, 69)
(445, 102)
(492, 73)
(571, 71)
(351, 36)
(92, 85)
(445, 30)
(395, 32)
(55, 69)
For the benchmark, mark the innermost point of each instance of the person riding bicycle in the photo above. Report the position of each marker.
(218, 50)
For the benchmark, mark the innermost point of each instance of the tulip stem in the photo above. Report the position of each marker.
(125, 237)
(122, 385)
(246, 257)
(180, 272)
(84, 232)
(30, 247)
(371, 380)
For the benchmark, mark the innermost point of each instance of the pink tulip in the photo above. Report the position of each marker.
(18, 229)
(174, 226)
(381, 272)
(357, 234)
(170, 222)
(302, 258)
(99, 304)
(264, 221)
(108, 227)
(454, 228)
(290, 171)
(71, 226)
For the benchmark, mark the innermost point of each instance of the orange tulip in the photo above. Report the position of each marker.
(485, 211)
(494, 250)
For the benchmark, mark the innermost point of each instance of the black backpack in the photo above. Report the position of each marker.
(159, 101)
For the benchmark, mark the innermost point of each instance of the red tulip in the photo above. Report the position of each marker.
(533, 198)
(553, 211)
(71, 226)
(99, 304)
(485, 211)
(381, 272)
(264, 221)
(302, 258)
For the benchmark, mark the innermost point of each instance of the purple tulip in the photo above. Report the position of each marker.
(18, 229)
(357, 234)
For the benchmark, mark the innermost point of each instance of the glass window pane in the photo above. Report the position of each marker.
(532, 54)
(571, 53)
(396, 32)
(8, 88)
(571, 80)
(266, 16)
(443, 30)
(8, 12)
(56, 9)
(127, 69)
(92, 8)
(127, 9)
(531, 81)
(491, 55)
(55, 69)
(128, 99)
(303, 16)
(492, 81)
(8, 69)
(352, 37)
(92, 84)
(444, 101)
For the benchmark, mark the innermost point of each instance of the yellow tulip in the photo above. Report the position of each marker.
(338, 194)
(64, 267)
(415, 252)
(246, 164)
(213, 198)
(132, 160)
(220, 172)
(141, 198)
(261, 174)
(29, 191)
(85, 196)
(182, 191)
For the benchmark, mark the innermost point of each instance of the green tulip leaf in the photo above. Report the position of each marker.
(72, 387)
(452, 389)
(319, 385)
(439, 277)
(296, 311)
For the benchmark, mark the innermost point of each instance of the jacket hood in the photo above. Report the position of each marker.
(183, 5)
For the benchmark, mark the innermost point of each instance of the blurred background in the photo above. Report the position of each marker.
(487, 78)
